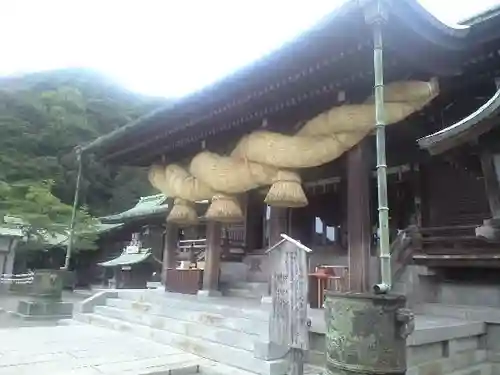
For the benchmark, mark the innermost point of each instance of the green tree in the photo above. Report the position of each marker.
(42, 216)
(43, 117)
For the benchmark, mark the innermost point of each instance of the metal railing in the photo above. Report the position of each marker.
(23, 278)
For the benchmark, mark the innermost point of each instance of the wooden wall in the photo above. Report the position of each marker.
(452, 195)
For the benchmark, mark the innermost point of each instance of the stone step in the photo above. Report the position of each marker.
(219, 335)
(242, 293)
(180, 364)
(469, 313)
(238, 308)
(182, 312)
(227, 355)
(219, 369)
(429, 329)
(254, 286)
(187, 369)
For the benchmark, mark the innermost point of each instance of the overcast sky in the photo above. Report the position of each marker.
(163, 47)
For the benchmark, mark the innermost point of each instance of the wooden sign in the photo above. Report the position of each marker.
(288, 325)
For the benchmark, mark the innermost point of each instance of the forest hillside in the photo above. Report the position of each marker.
(43, 116)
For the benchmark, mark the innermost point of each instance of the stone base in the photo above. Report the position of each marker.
(44, 309)
(209, 293)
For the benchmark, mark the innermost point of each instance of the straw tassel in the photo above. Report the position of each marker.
(286, 191)
(183, 213)
(224, 209)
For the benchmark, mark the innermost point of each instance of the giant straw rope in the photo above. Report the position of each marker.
(265, 158)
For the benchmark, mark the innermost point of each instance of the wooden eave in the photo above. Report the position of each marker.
(467, 130)
(486, 25)
(301, 79)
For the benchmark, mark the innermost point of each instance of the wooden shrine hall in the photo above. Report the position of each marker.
(285, 145)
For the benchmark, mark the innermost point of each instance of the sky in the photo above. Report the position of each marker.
(165, 48)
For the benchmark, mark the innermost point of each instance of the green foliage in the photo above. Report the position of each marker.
(43, 217)
(43, 117)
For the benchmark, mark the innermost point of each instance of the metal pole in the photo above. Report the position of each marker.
(69, 248)
(383, 205)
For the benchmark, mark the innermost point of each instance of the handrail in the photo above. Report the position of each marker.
(402, 249)
(192, 241)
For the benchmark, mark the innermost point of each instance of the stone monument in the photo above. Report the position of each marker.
(45, 298)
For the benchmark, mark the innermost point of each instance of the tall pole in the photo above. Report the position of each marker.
(383, 205)
(389, 322)
(69, 248)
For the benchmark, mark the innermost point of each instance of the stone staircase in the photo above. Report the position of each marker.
(229, 331)
(253, 290)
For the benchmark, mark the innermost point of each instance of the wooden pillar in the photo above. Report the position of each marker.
(358, 217)
(255, 233)
(278, 223)
(416, 180)
(170, 242)
(491, 183)
(212, 258)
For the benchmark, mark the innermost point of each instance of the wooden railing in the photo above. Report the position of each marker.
(192, 250)
(195, 249)
(454, 246)
(446, 243)
(234, 235)
(402, 250)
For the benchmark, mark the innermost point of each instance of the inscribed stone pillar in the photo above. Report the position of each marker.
(171, 239)
(212, 259)
(358, 217)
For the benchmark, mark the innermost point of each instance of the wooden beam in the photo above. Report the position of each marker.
(358, 217)
(212, 257)
(491, 183)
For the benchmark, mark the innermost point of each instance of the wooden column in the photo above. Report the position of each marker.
(278, 223)
(170, 242)
(254, 224)
(358, 217)
(491, 183)
(212, 258)
(416, 179)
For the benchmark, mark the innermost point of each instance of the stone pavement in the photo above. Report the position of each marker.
(85, 350)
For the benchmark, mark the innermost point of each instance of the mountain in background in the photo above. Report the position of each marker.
(43, 116)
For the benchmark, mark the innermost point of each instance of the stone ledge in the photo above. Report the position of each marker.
(450, 365)
(478, 369)
(428, 328)
(180, 370)
(445, 332)
(44, 310)
(98, 299)
(493, 356)
(479, 314)
(208, 293)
